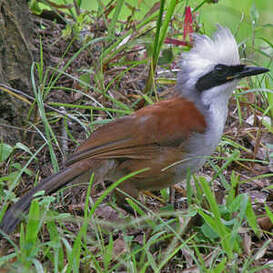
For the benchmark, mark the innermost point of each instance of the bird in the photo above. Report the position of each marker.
(166, 139)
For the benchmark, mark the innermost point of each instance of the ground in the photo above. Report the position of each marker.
(243, 158)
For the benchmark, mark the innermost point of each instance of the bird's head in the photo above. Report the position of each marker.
(211, 69)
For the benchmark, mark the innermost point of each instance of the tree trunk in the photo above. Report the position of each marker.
(16, 57)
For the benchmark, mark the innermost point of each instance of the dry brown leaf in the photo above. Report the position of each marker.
(265, 223)
(107, 213)
(247, 243)
(119, 248)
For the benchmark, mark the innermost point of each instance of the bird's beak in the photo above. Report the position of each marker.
(250, 71)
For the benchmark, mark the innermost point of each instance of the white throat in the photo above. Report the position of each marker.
(215, 103)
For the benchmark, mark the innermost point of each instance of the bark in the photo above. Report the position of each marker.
(16, 57)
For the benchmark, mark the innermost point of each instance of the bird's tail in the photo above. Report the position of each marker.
(49, 185)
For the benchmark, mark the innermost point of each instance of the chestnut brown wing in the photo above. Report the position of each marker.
(144, 133)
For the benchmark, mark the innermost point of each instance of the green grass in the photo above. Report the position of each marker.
(160, 239)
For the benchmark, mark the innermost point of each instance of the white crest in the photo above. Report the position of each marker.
(205, 54)
(221, 49)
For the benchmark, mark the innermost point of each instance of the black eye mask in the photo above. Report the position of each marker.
(218, 76)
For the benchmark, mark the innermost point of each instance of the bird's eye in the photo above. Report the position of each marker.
(220, 69)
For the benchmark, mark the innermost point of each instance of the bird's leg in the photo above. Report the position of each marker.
(128, 188)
